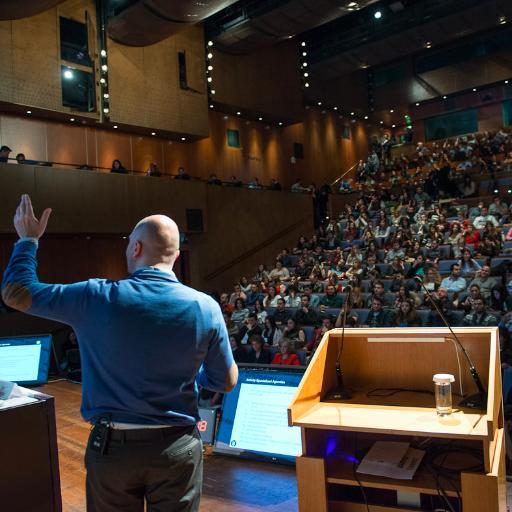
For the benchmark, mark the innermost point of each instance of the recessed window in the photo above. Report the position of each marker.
(233, 138)
(74, 44)
(78, 89)
(298, 150)
(182, 69)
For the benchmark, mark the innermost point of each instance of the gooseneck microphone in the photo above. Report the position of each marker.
(340, 392)
(478, 400)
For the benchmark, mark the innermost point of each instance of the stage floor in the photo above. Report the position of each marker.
(230, 484)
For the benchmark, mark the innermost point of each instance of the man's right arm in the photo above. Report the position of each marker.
(219, 371)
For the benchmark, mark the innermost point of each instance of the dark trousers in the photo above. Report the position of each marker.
(162, 466)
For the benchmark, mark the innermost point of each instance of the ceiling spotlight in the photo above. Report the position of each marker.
(102, 81)
(260, 118)
(210, 79)
(211, 106)
(377, 15)
(382, 122)
(444, 97)
(105, 110)
(335, 108)
(103, 53)
(104, 67)
(183, 139)
(304, 54)
(239, 113)
(352, 5)
(417, 104)
(210, 68)
(68, 74)
(474, 89)
(303, 43)
(391, 111)
(502, 20)
(115, 127)
(213, 91)
(428, 44)
(393, 126)
(280, 123)
(72, 119)
(306, 84)
(305, 64)
(29, 111)
(153, 134)
(306, 74)
(290, 37)
(366, 117)
(210, 55)
(506, 81)
(210, 43)
(351, 113)
(319, 103)
(106, 95)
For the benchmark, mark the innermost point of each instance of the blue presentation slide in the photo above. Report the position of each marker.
(25, 359)
(254, 415)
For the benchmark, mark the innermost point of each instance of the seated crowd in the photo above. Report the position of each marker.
(375, 264)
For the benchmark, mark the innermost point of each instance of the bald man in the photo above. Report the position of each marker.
(146, 342)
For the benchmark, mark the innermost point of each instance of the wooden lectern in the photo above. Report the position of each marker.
(389, 372)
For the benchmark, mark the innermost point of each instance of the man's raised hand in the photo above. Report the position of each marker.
(25, 222)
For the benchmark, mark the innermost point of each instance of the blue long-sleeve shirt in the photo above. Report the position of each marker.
(143, 340)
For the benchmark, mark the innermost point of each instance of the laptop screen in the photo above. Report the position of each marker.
(25, 360)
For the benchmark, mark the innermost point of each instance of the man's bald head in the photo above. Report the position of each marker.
(155, 241)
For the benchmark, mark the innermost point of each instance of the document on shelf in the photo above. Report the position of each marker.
(391, 459)
(12, 395)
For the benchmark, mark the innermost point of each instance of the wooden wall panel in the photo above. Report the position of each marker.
(146, 150)
(144, 85)
(66, 145)
(24, 135)
(266, 82)
(112, 145)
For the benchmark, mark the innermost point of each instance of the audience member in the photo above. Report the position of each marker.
(285, 354)
(117, 167)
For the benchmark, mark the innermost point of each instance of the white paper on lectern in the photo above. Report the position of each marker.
(391, 459)
(19, 396)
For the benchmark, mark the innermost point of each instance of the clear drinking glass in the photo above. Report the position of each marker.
(443, 389)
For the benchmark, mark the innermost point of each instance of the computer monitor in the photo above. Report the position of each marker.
(25, 360)
(254, 421)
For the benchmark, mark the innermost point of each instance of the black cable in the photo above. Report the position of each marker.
(363, 492)
(377, 392)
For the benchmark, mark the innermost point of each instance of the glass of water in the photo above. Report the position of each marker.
(443, 389)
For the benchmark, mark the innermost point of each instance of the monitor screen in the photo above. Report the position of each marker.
(25, 360)
(254, 419)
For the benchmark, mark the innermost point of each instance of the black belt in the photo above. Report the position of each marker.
(148, 434)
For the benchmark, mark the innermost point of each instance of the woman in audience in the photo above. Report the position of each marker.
(406, 315)
(467, 303)
(245, 286)
(260, 312)
(301, 245)
(488, 248)
(467, 187)
(454, 237)
(405, 295)
(271, 298)
(240, 312)
(261, 274)
(258, 354)
(292, 300)
(471, 236)
(468, 265)
(294, 335)
(397, 266)
(356, 270)
(432, 279)
(271, 333)
(382, 233)
(353, 255)
(117, 167)
(286, 355)
(239, 353)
